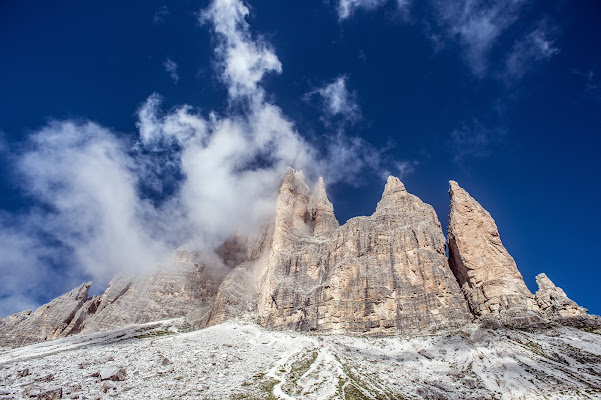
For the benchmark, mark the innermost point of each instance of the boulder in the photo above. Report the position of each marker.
(113, 374)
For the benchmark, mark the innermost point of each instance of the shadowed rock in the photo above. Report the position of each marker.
(186, 286)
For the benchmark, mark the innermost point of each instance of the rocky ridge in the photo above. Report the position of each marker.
(381, 274)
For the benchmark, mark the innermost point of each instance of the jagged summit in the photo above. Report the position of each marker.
(380, 274)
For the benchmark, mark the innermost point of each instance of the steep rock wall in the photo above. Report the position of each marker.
(379, 274)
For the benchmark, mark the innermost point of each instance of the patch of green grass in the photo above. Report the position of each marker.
(262, 390)
(154, 334)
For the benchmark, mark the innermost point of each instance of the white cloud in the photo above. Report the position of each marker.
(171, 68)
(477, 24)
(405, 168)
(82, 174)
(104, 205)
(242, 60)
(346, 8)
(337, 101)
(535, 46)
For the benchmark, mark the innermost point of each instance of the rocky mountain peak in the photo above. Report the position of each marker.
(393, 185)
(487, 274)
(393, 197)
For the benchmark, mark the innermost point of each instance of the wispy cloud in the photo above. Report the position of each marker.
(337, 102)
(592, 82)
(160, 15)
(171, 68)
(103, 205)
(474, 140)
(476, 24)
(404, 168)
(243, 61)
(536, 46)
(346, 8)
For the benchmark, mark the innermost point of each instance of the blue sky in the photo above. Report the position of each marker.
(129, 129)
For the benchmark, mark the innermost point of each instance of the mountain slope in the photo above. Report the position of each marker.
(244, 361)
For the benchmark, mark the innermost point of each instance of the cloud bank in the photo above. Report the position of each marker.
(104, 203)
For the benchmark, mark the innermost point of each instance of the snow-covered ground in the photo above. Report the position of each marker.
(240, 360)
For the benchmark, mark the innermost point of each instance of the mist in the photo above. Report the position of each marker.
(104, 202)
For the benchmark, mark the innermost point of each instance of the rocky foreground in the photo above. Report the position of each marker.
(241, 360)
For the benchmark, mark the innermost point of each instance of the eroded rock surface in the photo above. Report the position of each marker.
(558, 307)
(488, 275)
(50, 321)
(379, 274)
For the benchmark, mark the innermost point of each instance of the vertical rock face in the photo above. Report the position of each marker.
(488, 275)
(50, 321)
(378, 274)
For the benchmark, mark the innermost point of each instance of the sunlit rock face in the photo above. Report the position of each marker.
(379, 274)
(488, 275)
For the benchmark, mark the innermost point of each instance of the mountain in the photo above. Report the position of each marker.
(383, 274)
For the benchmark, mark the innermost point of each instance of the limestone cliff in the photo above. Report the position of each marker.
(186, 287)
(488, 275)
(379, 274)
(238, 293)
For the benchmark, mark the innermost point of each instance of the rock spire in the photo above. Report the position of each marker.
(488, 275)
